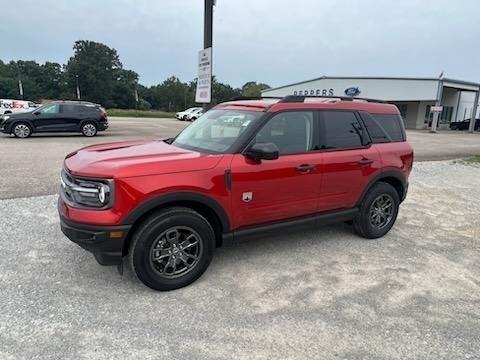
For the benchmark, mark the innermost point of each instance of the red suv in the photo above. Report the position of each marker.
(244, 168)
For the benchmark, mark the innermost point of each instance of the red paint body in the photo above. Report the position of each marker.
(142, 170)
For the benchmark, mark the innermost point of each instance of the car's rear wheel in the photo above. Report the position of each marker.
(172, 248)
(22, 130)
(89, 129)
(378, 211)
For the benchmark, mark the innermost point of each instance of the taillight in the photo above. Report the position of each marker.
(104, 112)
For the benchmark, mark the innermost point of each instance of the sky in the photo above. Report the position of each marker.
(277, 42)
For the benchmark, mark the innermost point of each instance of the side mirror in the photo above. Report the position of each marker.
(262, 151)
(36, 113)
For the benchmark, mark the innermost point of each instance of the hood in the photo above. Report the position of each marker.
(136, 158)
(15, 115)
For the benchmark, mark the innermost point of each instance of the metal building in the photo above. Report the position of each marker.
(415, 97)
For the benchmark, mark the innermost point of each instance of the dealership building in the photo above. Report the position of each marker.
(415, 97)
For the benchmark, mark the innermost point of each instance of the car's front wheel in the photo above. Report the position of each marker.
(378, 211)
(22, 130)
(89, 129)
(172, 248)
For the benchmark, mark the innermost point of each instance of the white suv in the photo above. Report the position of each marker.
(194, 115)
(182, 115)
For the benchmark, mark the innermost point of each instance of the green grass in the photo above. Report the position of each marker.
(473, 159)
(140, 113)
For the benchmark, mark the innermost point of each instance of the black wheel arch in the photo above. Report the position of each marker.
(203, 204)
(89, 120)
(16, 121)
(392, 177)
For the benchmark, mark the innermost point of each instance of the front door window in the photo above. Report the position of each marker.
(50, 109)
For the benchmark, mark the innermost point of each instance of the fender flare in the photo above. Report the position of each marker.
(396, 174)
(172, 198)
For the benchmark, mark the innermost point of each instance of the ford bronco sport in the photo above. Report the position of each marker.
(244, 168)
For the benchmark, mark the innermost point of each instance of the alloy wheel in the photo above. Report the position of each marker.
(22, 131)
(176, 252)
(381, 211)
(89, 130)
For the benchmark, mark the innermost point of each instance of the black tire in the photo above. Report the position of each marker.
(21, 130)
(89, 129)
(153, 239)
(367, 224)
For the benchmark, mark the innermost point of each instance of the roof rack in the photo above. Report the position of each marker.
(301, 98)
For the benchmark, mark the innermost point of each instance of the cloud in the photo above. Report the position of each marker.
(273, 41)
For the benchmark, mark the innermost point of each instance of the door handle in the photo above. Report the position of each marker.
(365, 161)
(305, 168)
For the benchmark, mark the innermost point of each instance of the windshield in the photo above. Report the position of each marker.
(216, 130)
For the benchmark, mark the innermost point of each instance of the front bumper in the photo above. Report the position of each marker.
(104, 242)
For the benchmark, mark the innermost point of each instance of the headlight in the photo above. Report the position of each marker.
(86, 192)
(6, 117)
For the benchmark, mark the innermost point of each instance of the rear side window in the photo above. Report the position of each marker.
(341, 130)
(384, 127)
(70, 108)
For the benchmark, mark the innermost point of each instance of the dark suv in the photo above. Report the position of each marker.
(57, 116)
(244, 168)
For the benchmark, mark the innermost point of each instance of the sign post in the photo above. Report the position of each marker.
(204, 82)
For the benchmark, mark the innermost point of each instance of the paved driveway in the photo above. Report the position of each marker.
(443, 144)
(31, 166)
(323, 294)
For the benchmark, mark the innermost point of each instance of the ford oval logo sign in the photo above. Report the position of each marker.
(352, 91)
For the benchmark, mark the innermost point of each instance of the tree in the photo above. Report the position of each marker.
(253, 89)
(172, 94)
(96, 65)
(39, 81)
(125, 82)
(223, 92)
(102, 79)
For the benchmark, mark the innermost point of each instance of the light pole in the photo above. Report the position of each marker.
(208, 36)
(78, 87)
(20, 88)
(136, 98)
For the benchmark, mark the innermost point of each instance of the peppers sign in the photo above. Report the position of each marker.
(204, 82)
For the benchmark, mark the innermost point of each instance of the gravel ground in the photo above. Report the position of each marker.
(325, 293)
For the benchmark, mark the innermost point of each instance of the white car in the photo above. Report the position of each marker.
(194, 115)
(9, 106)
(182, 115)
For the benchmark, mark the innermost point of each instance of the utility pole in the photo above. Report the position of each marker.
(208, 24)
(78, 88)
(20, 88)
(136, 98)
(208, 31)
